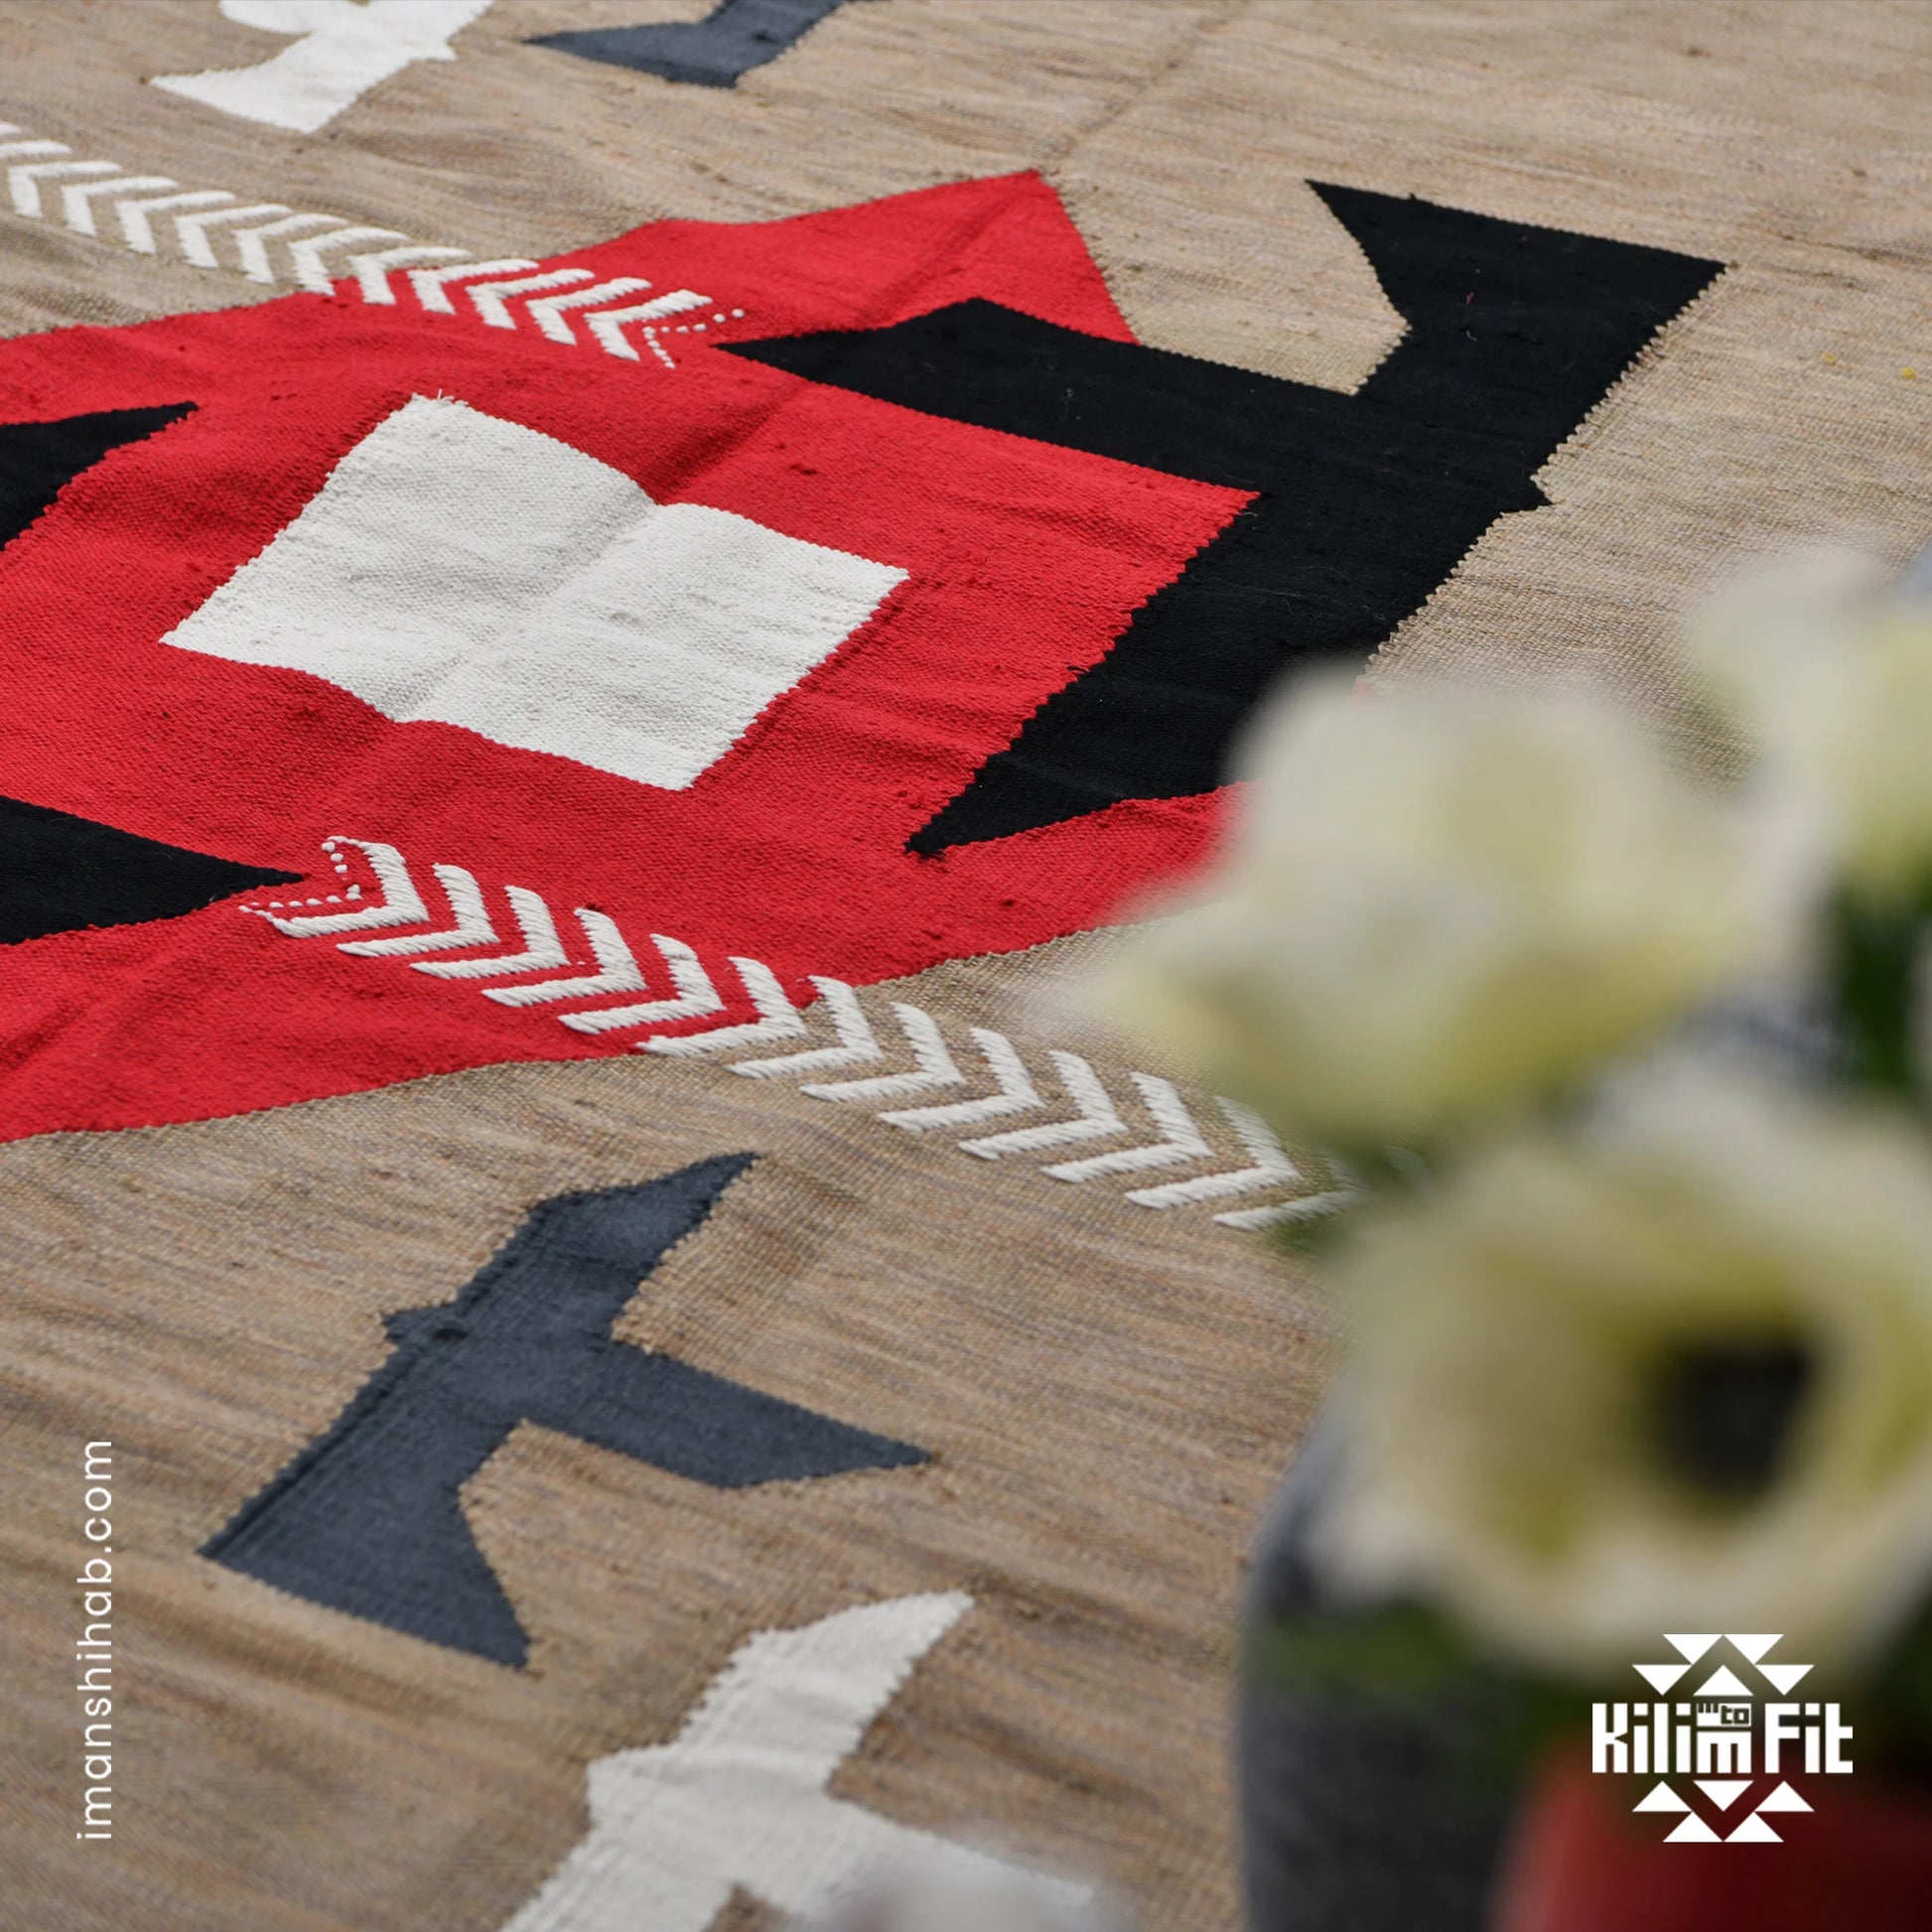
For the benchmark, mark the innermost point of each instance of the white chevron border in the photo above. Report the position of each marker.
(991, 1082)
(329, 254)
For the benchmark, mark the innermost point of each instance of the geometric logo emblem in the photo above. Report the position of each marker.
(1717, 1739)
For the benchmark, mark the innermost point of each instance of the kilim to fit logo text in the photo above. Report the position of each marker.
(1727, 1743)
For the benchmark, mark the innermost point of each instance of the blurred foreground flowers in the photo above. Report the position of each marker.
(1641, 1317)
(1832, 676)
(1446, 903)
(1677, 1360)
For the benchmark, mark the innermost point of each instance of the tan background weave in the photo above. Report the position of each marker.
(1107, 1400)
(1110, 1391)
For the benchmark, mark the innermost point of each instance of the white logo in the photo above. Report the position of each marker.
(1725, 1740)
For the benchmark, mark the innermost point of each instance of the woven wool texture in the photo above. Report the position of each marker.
(648, 683)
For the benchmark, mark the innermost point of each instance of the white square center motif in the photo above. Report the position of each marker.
(462, 568)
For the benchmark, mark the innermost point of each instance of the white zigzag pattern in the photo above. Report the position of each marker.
(856, 1036)
(325, 253)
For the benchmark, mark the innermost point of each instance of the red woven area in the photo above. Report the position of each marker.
(1023, 561)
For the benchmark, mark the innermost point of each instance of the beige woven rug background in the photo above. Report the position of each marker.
(1110, 1391)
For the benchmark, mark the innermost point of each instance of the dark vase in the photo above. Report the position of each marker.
(1358, 1814)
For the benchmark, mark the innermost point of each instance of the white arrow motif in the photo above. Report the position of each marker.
(136, 228)
(252, 244)
(695, 995)
(25, 180)
(739, 1797)
(777, 1018)
(472, 927)
(617, 971)
(1096, 1120)
(1184, 1141)
(1017, 1093)
(491, 298)
(432, 285)
(857, 1042)
(1272, 1168)
(547, 312)
(89, 186)
(1310, 1207)
(193, 228)
(608, 324)
(76, 198)
(306, 256)
(542, 949)
(372, 272)
(18, 151)
(402, 904)
(932, 1063)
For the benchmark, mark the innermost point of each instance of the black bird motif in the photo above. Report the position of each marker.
(368, 1518)
(1363, 504)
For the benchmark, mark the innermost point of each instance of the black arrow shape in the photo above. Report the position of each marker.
(61, 874)
(38, 460)
(1364, 503)
(368, 1518)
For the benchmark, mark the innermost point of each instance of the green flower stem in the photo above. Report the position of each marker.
(1369, 1175)
(1876, 950)
(1396, 1171)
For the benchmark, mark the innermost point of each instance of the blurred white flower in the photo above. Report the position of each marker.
(943, 1896)
(1832, 673)
(1443, 902)
(1673, 1372)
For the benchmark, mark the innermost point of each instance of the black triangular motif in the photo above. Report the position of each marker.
(61, 874)
(1364, 503)
(38, 460)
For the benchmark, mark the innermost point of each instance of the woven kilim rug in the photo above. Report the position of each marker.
(600, 602)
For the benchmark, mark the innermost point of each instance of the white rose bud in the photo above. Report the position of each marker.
(1831, 674)
(940, 1896)
(1670, 1372)
(1443, 902)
